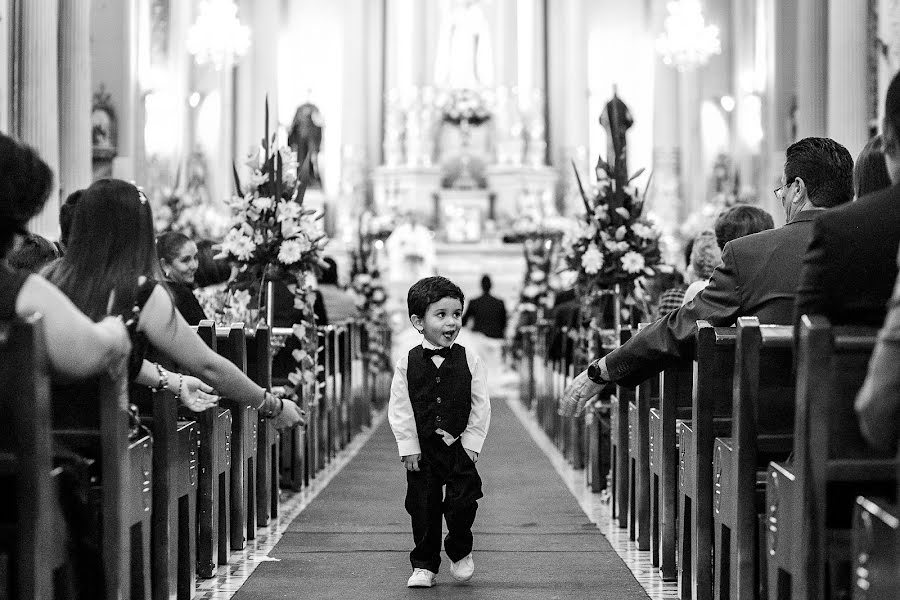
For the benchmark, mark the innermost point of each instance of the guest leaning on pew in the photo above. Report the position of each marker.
(76, 346)
(110, 267)
(757, 277)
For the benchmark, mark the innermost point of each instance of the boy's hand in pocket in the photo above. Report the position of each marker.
(411, 461)
(472, 454)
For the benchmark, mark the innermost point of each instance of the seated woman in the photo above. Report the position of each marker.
(76, 346)
(110, 267)
(178, 259)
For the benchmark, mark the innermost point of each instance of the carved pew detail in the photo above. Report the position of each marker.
(762, 429)
(829, 453)
(710, 417)
(675, 397)
(214, 485)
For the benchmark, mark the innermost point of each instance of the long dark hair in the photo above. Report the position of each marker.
(111, 246)
(870, 172)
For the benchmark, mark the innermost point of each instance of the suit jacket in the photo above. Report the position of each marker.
(850, 267)
(489, 314)
(757, 277)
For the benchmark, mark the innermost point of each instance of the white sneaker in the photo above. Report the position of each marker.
(464, 569)
(421, 578)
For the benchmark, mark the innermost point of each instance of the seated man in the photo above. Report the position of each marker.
(758, 275)
(849, 269)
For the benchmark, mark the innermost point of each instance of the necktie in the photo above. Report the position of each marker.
(431, 352)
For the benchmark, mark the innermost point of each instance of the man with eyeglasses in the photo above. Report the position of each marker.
(757, 277)
(849, 270)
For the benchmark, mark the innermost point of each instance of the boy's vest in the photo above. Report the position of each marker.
(441, 398)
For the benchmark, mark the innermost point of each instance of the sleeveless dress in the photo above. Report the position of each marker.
(11, 283)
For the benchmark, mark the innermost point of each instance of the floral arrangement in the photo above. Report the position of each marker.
(188, 214)
(274, 237)
(612, 244)
(465, 105)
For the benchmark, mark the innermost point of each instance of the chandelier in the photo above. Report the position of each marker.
(217, 37)
(687, 41)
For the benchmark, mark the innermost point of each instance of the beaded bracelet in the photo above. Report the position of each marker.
(180, 383)
(163, 379)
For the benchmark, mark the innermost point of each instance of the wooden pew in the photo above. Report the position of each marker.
(762, 430)
(876, 549)
(618, 426)
(231, 342)
(34, 534)
(675, 398)
(645, 398)
(808, 520)
(342, 379)
(710, 417)
(526, 366)
(173, 517)
(214, 484)
(294, 466)
(94, 422)
(259, 367)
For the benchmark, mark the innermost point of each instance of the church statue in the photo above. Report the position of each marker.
(616, 120)
(464, 58)
(305, 137)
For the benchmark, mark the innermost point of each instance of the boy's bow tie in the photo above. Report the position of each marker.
(432, 352)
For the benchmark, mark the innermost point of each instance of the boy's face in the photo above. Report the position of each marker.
(441, 323)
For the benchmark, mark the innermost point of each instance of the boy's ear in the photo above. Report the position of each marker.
(416, 321)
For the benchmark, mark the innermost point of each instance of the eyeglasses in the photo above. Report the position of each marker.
(778, 191)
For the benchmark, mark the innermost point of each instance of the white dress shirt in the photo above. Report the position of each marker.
(403, 421)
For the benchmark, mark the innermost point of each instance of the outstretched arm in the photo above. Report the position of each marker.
(77, 347)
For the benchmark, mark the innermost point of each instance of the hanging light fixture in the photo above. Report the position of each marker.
(687, 41)
(218, 37)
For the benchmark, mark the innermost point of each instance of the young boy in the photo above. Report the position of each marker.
(440, 412)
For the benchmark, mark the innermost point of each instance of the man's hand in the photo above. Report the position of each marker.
(472, 454)
(411, 461)
(577, 395)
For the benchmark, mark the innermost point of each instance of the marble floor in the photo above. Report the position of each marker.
(230, 578)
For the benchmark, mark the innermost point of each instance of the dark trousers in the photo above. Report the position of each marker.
(442, 465)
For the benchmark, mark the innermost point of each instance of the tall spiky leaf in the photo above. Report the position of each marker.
(237, 180)
(587, 204)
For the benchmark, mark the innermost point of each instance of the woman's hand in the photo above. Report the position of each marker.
(290, 415)
(196, 395)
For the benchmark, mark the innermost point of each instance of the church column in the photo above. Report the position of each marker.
(507, 120)
(567, 94)
(74, 95)
(847, 73)
(6, 55)
(693, 183)
(38, 102)
(664, 198)
(812, 62)
(256, 76)
(781, 98)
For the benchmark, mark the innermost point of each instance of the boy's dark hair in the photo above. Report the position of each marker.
(825, 167)
(210, 270)
(25, 185)
(426, 292)
(330, 272)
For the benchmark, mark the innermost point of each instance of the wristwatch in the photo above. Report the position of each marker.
(594, 374)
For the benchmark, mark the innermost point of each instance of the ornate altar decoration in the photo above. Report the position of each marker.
(461, 153)
(614, 249)
(274, 237)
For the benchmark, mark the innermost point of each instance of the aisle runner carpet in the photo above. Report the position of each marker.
(532, 540)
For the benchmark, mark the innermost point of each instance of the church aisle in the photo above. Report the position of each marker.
(532, 540)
